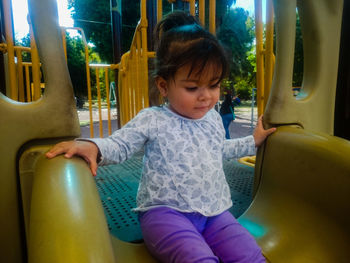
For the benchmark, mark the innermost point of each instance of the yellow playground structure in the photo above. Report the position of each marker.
(52, 211)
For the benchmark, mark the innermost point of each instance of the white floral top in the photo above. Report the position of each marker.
(182, 165)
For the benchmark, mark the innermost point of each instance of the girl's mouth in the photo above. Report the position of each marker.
(202, 107)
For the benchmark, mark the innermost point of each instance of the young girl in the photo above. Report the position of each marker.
(183, 197)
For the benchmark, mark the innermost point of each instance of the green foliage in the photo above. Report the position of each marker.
(298, 66)
(222, 7)
(95, 19)
(227, 85)
(25, 42)
(243, 88)
(130, 18)
(77, 65)
(237, 35)
(251, 57)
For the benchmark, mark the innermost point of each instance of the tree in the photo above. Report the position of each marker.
(25, 42)
(95, 19)
(222, 7)
(298, 66)
(76, 62)
(76, 66)
(237, 34)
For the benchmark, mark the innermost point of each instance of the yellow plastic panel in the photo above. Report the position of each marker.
(320, 23)
(248, 160)
(133, 253)
(301, 210)
(64, 216)
(52, 116)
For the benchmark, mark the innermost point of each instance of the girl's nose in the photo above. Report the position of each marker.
(204, 94)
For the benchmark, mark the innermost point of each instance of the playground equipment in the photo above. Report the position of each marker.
(50, 209)
(303, 172)
(112, 94)
(55, 109)
(132, 69)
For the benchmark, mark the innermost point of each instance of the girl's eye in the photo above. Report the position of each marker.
(191, 89)
(215, 86)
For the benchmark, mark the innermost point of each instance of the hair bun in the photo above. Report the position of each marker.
(173, 20)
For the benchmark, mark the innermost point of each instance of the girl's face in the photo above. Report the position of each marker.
(191, 96)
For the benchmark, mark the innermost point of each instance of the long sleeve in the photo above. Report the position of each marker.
(123, 143)
(236, 148)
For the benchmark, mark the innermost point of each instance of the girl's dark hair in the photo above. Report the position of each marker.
(181, 41)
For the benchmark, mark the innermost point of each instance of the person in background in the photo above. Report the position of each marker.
(227, 113)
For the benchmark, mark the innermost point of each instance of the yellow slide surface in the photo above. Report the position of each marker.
(64, 218)
(63, 214)
(301, 209)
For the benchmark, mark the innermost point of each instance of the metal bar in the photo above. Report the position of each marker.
(63, 33)
(22, 49)
(20, 76)
(90, 101)
(97, 72)
(192, 7)
(130, 89)
(116, 13)
(252, 111)
(139, 77)
(123, 84)
(103, 66)
(35, 64)
(133, 73)
(269, 50)
(159, 10)
(259, 57)
(108, 102)
(126, 98)
(88, 78)
(212, 11)
(12, 90)
(202, 12)
(144, 54)
(143, 9)
(28, 89)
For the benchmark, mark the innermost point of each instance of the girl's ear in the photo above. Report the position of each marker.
(162, 86)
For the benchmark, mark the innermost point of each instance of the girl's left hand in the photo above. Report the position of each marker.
(260, 133)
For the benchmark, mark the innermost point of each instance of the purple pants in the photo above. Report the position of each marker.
(172, 236)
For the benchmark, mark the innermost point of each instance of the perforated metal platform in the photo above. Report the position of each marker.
(117, 186)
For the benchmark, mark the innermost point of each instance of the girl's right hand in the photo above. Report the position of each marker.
(85, 149)
(260, 134)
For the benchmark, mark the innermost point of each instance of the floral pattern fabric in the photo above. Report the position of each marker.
(182, 165)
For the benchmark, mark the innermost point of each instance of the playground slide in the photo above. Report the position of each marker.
(300, 210)
(64, 218)
(63, 214)
(299, 214)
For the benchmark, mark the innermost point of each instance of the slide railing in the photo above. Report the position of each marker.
(64, 218)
